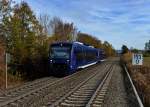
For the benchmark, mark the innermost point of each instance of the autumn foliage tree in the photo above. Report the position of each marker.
(93, 41)
(26, 44)
(89, 39)
(108, 48)
(5, 10)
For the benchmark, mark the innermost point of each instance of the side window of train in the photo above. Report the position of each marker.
(78, 53)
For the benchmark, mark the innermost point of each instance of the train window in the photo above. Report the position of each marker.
(85, 54)
(79, 54)
(90, 55)
(60, 52)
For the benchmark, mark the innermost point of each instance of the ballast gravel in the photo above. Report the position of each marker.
(120, 93)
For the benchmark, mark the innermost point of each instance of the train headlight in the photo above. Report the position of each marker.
(51, 61)
(67, 60)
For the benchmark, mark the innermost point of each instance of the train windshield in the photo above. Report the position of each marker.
(60, 52)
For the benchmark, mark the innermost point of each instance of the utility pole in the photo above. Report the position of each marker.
(6, 68)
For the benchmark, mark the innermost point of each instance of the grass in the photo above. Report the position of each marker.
(147, 58)
(146, 61)
(140, 76)
(12, 80)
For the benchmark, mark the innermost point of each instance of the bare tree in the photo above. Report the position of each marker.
(63, 31)
(45, 22)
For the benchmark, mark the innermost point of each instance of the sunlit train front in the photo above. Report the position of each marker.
(65, 57)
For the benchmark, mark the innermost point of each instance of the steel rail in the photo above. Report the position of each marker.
(134, 89)
(100, 87)
(25, 85)
(76, 88)
(11, 100)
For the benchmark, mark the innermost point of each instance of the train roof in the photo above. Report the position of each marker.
(71, 43)
(78, 44)
(55, 43)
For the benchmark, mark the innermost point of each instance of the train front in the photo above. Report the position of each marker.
(60, 57)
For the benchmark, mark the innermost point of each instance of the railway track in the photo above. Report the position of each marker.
(29, 85)
(32, 93)
(68, 86)
(98, 97)
(12, 94)
(86, 88)
(89, 92)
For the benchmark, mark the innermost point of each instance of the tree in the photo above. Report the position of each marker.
(45, 22)
(147, 46)
(62, 31)
(26, 42)
(147, 49)
(109, 50)
(5, 9)
(124, 49)
(89, 39)
(134, 50)
(93, 41)
(5, 12)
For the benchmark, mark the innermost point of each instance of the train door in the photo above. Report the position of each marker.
(73, 64)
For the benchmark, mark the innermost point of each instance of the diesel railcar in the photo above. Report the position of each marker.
(65, 57)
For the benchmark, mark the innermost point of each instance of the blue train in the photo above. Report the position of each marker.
(65, 57)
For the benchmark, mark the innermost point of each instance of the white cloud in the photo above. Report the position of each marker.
(117, 21)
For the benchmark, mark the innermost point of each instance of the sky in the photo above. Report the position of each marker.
(116, 21)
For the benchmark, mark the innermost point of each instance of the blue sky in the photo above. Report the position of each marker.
(116, 21)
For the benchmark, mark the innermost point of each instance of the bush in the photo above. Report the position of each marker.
(141, 78)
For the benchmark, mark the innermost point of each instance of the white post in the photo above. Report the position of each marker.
(6, 69)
